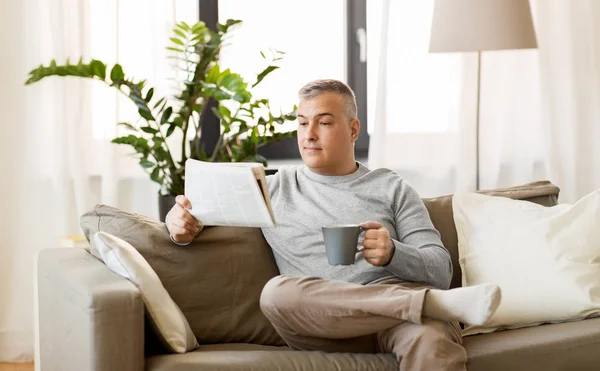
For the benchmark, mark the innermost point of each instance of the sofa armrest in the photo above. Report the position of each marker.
(89, 317)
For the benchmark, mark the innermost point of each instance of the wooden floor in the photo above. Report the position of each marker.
(16, 366)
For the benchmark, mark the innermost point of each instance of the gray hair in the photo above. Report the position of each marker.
(317, 87)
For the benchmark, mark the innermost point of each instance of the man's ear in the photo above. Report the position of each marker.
(354, 129)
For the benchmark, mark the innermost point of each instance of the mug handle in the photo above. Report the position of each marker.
(361, 231)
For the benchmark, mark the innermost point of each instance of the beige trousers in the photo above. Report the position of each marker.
(334, 316)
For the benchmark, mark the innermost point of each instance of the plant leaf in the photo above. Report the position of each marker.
(145, 114)
(149, 95)
(225, 112)
(198, 26)
(149, 130)
(213, 75)
(264, 73)
(233, 82)
(166, 115)
(177, 41)
(146, 163)
(170, 130)
(98, 69)
(158, 103)
(178, 121)
(179, 33)
(128, 125)
(116, 74)
(184, 26)
(242, 97)
(155, 175)
(172, 48)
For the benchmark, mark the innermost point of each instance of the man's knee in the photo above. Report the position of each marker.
(280, 293)
(437, 330)
(440, 332)
(431, 334)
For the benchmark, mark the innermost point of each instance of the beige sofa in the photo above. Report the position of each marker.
(92, 319)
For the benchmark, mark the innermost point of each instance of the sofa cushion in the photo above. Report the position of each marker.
(553, 347)
(216, 280)
(165, 316)
(248, 357)
(440, 211)
(545, 259)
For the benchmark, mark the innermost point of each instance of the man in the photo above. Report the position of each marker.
(393, 299)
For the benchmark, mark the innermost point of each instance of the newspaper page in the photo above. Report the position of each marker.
(228, 194)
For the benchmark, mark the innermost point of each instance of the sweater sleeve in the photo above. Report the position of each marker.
(419, 254)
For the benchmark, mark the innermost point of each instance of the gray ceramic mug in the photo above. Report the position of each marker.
(341, 243)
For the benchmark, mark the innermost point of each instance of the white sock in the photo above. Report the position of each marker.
(473, 305)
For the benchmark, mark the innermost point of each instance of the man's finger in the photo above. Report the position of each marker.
(373, 234)
(183, 201)
(178, 231)
(192, 228)
(373, 244)
(183, 230)
(182, 213)
(186, 216)
(371, 225)
(374, 254)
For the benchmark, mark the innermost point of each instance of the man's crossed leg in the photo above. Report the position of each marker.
(415, 322)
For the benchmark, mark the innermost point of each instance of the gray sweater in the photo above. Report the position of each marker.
(304, 201)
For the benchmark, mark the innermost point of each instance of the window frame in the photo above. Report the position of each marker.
(356, 77)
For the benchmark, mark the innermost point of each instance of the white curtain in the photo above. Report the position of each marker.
(421, 118)
(540, 115)
(56, 155)
(569, 71)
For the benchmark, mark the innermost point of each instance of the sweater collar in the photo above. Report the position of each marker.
(334, 179)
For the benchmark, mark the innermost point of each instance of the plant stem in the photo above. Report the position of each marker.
(217, 150)
(202, 115)
(169, 156)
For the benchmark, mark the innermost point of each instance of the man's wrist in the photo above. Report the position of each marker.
(179, 243)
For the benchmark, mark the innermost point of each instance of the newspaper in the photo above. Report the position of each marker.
(228, 194)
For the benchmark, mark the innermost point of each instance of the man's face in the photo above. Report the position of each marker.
(326, 135)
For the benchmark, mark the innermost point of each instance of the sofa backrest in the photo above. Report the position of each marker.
(216, 280)
(440, 211)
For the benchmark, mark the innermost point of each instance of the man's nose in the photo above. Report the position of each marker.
(311, 132)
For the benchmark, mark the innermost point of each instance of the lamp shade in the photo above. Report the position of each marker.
(477, 25)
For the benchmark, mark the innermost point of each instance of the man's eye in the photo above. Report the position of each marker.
(302, 123)
(325, 123)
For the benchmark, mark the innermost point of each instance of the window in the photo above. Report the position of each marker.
(315, 43)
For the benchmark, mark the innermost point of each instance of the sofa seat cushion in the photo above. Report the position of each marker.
(553, 347)
(251, 357)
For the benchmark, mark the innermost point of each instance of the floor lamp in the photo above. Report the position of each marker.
(480, 25)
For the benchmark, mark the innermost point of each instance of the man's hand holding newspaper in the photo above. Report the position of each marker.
(181, 224)
(226, 194)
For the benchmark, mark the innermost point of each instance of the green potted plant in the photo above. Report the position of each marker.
(246, 123)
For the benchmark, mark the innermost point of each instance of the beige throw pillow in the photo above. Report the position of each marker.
(546, 260)
(166, 317)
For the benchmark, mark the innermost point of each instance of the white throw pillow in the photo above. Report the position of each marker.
(546, 260)
(168, 320)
